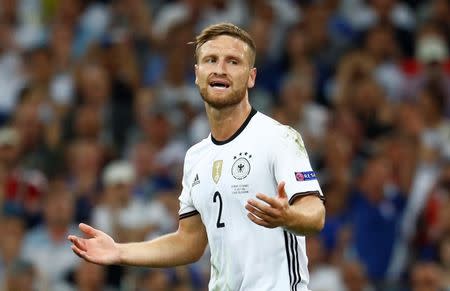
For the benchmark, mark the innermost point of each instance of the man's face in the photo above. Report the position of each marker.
(223, 72)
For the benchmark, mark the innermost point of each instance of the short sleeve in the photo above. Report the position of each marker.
(291, 165)
(186, 205)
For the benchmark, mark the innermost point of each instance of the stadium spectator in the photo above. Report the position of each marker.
(10, 244)
(355, 277)
(426, 276)
(122, 214)
(323, 275)
(45, 245)
(377, 208)
(22, 187)
(83, 161)
(86, 277)
(87, 82)
(444, 259)
(21, 275)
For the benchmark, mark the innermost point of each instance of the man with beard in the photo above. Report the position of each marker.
(248, 188)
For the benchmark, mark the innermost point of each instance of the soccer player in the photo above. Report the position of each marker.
(248, 188)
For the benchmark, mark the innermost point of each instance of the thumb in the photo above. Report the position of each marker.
(89, 230)
(281, 192)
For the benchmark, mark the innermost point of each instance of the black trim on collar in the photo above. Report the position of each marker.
(243, 126)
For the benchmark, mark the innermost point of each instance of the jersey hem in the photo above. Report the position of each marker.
(188, 214)
(301, 194)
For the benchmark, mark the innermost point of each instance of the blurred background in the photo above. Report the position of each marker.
(98, 107)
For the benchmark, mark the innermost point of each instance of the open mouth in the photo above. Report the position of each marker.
(219, 84)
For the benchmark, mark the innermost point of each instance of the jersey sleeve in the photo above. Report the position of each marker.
(187, 207)
(292, 165)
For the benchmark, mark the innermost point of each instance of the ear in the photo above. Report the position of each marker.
(195, 70)
(251, 78)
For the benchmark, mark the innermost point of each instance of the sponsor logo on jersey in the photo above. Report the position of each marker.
(305, 176)
(217, 170)
(196, 180)
(241, 166)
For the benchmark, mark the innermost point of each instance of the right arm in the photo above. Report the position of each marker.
(184, 246)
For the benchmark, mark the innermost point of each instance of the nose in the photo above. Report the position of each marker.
(220, 68)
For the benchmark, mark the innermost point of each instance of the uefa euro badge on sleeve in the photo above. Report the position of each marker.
(305, 176)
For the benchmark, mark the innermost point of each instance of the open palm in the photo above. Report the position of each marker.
(97, 248)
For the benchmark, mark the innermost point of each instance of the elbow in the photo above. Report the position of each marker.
(196, 256)
(321, 219)
(196, 251)
(319, 222)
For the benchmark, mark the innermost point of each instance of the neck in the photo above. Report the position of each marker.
(226, 121)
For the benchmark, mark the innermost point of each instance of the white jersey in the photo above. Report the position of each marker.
(219, 178)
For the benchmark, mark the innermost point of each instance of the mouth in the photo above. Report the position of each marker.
(219, 84)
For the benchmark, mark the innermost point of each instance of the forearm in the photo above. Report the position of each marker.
(166, 251)
(307, 216)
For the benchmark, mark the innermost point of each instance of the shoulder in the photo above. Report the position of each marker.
(196, 151)
(276, 132)
(266, 126)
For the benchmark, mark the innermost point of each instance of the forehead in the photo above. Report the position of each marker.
(224, 44)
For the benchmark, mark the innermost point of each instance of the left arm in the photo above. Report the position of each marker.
(305, 216)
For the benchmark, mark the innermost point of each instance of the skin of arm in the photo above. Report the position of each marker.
(184, 246)
(305, 216)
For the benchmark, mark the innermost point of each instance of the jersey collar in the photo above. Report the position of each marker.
(243, 126)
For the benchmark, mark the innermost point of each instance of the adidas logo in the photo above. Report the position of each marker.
(196, 180)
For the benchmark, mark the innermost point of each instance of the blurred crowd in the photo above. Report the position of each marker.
(98, 107)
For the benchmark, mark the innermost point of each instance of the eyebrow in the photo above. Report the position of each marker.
(228, 56)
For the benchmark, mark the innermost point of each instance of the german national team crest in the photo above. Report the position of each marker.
(241, 166)
(217, 170)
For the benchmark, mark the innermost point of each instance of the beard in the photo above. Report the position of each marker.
(233, 98)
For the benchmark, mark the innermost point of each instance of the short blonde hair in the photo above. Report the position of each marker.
(215, 30)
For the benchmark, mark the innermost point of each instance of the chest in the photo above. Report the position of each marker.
(223, 181)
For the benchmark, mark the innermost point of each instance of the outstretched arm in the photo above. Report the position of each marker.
(306, 214)
(184, 246)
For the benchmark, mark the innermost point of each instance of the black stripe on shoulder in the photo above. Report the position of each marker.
(188, 214)
(302, 194)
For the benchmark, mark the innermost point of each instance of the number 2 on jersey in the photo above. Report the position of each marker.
(219, 224)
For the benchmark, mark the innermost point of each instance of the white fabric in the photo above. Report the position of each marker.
(246, 256)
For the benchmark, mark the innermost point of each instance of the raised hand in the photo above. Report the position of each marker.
(269, 212)
(97, 247)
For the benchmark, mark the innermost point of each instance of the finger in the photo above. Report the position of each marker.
(269, 200)
(262, 207)
(78, 242)
(281, 191)
(256, 212)
(89, 230)
(259, 221)
(82, 254)
(78, 252)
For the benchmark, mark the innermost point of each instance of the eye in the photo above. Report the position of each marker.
(233, 62)
(210, 60)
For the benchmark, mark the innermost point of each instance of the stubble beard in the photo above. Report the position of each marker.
(234, 98)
